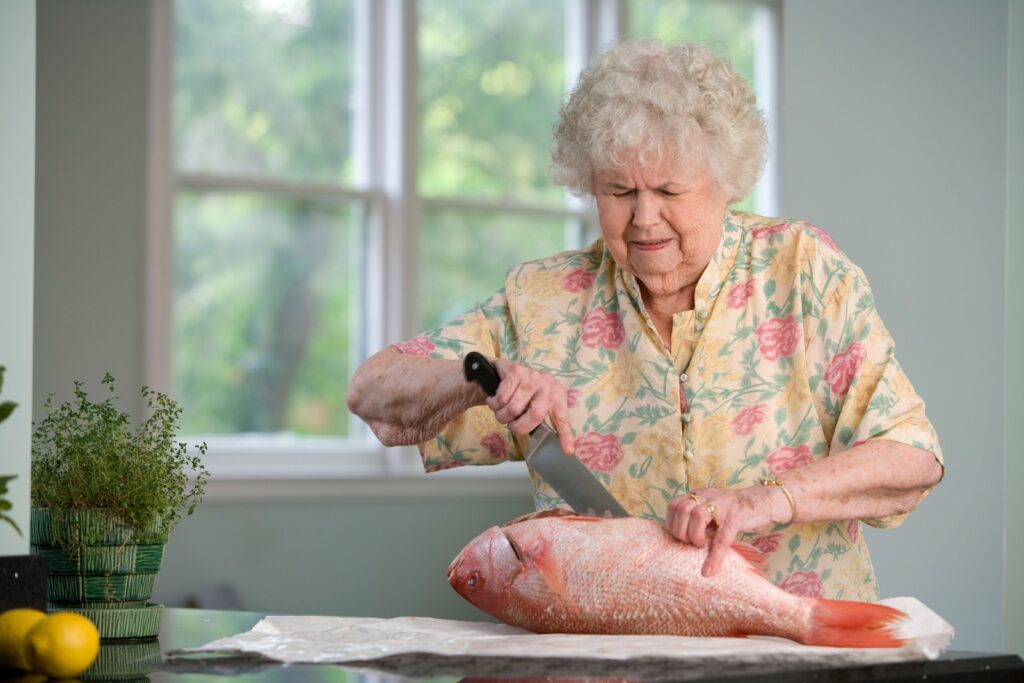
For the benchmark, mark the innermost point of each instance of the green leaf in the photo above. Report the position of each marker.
(628, 438)
(780, 416)
(6, 409)
(794, 543)
(769, 288)
(592, 402)
(10, 521)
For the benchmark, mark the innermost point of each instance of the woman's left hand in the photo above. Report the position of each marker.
(714, 517)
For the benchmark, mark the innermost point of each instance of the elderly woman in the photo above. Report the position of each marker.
(722, 372)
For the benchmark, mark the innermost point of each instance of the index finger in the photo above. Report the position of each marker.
(720, 544)
(560, 421)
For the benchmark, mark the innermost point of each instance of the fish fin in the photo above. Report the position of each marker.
(540, 514)
(539, 555)
(567, 515)
(758, 562)
(845, 623)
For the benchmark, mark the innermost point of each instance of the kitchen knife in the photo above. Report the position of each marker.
(569, 477)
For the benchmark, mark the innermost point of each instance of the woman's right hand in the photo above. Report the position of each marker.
(527, 397)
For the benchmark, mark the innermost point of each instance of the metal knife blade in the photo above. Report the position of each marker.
(569, 477)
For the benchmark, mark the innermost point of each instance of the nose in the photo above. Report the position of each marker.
(646, 213)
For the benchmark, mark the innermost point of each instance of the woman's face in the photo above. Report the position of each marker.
(661, 224)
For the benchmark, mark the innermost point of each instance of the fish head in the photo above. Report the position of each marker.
(484, 571)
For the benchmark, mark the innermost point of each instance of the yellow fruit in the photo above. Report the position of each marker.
(62, 645)
(14, 626)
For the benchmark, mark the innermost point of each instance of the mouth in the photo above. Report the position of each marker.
(650, 245)
(452, 571)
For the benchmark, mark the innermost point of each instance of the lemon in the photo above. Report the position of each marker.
(62, 645)
(14, 626)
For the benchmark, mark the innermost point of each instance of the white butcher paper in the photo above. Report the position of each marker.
(339, 640)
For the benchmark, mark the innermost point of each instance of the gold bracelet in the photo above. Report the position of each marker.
(772, 481)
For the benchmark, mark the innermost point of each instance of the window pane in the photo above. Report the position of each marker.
(492, 76)
(465, 255)
(266, 292)
(724, 27)
(263, 87)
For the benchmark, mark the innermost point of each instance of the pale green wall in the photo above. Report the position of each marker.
(1014, 481)
(893, 140)
(350, 556)
(17, 160)
(91, 197)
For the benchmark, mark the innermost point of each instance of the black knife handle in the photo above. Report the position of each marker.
(477, 368)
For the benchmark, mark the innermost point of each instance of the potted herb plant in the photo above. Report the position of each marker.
(104, 501)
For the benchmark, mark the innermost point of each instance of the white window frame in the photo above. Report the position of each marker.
(385, 156)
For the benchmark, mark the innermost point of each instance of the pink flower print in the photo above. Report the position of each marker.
(824, 236)
(768, 543)
(853, 530)
(778, 337)
(603, 328)
(417, 346)
(495, 445)
(578, 280)
(744, 423)
(740, 292)
(572, 397)
(758, 233)
(599, 451)
(807, 584)
(843, 368)
(783, 459)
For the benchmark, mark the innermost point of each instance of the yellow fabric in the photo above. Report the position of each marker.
(785, 361)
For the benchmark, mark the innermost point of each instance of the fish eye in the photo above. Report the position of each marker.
(475, 581)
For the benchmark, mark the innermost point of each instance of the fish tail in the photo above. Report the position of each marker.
(844, 623)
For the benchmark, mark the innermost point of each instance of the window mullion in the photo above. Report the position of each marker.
(160, 189)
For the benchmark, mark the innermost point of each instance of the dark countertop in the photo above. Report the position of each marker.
(183, 628)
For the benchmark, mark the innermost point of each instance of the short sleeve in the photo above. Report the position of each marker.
(475, 437)
(858, 386)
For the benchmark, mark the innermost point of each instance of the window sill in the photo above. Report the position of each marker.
(283, 467)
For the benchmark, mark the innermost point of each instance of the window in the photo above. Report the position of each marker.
(342, 174)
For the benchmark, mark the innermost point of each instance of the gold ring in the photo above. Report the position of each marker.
(693, 496)
(711, 509)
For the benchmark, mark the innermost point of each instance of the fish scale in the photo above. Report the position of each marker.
(568, 574)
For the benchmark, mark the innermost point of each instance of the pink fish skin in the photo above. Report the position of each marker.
(570, 574)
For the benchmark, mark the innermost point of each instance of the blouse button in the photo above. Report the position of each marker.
(686, 418)
(683, 377)
(688, 454)
(702, 314)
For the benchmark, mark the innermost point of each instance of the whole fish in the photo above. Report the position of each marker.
(570, 574)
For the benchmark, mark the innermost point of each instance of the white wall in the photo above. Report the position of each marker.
(17, 164)
(893, 139)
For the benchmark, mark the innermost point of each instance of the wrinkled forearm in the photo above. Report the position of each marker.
(875, 479)
(408, 399)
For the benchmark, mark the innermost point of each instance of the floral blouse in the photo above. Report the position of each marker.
(783, 360)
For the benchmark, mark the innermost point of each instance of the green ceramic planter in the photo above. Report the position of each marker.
(109, 578)
(120, 661)
(119, 623)
(102, 559)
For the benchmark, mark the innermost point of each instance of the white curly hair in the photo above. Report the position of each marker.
(642, 101)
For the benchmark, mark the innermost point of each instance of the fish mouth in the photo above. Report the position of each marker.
(453, 569)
